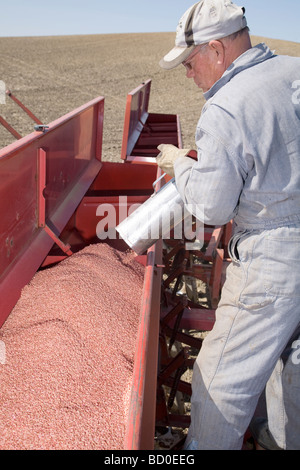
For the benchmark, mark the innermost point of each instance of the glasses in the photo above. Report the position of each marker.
(187, 63)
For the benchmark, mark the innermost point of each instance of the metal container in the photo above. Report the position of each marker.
(154, 219)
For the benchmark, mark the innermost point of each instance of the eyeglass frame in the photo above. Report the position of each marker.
(187, 63)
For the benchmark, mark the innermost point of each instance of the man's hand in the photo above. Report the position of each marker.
(167, 156)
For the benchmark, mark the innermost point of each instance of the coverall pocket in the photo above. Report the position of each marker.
(282, 266)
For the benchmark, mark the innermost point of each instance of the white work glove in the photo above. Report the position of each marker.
(167, 156)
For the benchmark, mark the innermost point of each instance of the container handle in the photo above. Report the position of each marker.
(157, 180)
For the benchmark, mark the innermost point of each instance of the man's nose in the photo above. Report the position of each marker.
(189, 73)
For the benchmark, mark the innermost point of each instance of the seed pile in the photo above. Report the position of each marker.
(70, 344)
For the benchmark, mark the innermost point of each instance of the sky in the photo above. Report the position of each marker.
(268, 18)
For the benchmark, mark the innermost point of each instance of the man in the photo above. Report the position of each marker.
(248, 170)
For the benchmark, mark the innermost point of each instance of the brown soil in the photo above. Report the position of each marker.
(54, 75)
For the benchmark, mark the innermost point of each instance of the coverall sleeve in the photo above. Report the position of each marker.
(214, 181)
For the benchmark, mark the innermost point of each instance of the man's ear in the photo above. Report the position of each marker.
(218, 49)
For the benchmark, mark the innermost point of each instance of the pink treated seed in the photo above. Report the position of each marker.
(70, 344)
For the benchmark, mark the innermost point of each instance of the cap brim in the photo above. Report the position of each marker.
(175, 57)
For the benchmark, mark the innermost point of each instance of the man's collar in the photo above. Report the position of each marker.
(251, 57)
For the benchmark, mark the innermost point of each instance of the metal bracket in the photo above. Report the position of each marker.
(10, 128)
(41, 128)
(41, 213)
(22, 106)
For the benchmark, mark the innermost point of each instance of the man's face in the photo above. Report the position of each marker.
(205, 65)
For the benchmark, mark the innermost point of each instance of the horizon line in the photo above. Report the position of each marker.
(123, 33)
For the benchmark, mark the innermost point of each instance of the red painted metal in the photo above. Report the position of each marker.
(41, 202)
(116, 183)
(9, 128)
(22, 106)
(144, 131)
(122, 178)
(44, 176)
(140, 428)
(136, 114)
(41, 185)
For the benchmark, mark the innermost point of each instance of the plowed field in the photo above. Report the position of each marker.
(54, 75)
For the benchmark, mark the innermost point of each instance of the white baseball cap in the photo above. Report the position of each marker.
(203, 22)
